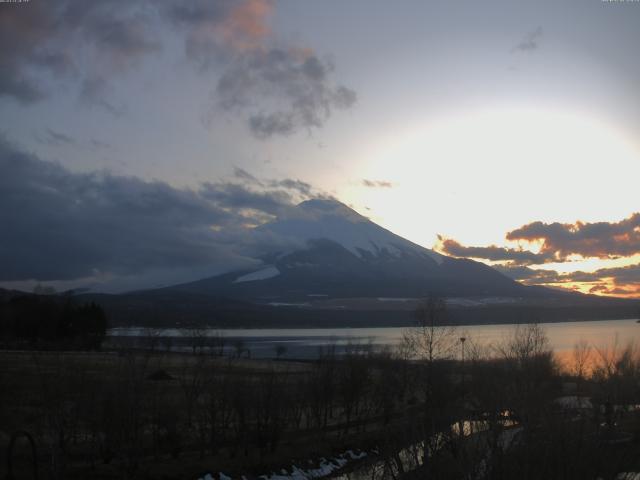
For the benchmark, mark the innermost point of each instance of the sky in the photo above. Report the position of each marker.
(142, 140)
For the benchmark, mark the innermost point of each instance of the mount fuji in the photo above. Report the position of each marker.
(334, 252)
(321, 264)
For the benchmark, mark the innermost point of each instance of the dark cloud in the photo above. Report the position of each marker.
(265, 198)
(530, 42)
(15, 84)
(619, 275)
(599, 239)
(267, 125)
(281, 90)
(559, 243)
(605, 281)
(493, 252)
(60, 225)
(376, 183)
(237, 196)
(87, 41)
(63, 225)
(245, 176)
(277, 88)
(304, 189)
(528, 275)
(53, 137)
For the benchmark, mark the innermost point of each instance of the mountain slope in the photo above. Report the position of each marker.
(342, 254)
(340, 269)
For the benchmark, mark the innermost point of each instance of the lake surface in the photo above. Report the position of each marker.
(305, 343)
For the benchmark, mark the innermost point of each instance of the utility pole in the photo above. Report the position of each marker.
(462, 340)
(463, 418)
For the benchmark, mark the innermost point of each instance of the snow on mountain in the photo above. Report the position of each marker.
(332, 220)
(325, 248)
(262, 274)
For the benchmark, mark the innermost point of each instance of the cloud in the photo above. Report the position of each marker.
(559, 242)
(528, 275)
(376, 183)
(237, 196)
(53, 137)
(530, 42)
(215, 29)
(281, 90)
(562, 242)
(621, 281)
(493, 252)
(304, 189)
(60, 225)
(598, 239)
(70, 39)
(620, 276)
(245, 176)
(277, 87)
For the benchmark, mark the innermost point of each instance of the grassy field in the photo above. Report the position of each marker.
(134, 415)
(152, 415)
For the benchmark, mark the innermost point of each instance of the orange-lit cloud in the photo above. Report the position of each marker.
(599, 239)
(494, 253)
(246, 26)
(570, 243)
(620, 281)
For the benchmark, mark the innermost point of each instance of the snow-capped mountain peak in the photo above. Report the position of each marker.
(324, 219)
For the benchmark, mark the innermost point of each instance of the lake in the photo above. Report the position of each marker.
(305, 343)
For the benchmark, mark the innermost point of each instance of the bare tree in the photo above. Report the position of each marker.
(580, 359)
(528, 342)
(432, 338)
(432, 342)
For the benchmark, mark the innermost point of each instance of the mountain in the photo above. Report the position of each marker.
(337, 268)
(341, 254)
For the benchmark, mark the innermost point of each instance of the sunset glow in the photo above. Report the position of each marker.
(532, 124)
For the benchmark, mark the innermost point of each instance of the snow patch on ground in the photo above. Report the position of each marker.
(477, 302)
(285, 304)
(263, 274)
(395, 299)
(574, 402)
(324, 468)
(462, 302)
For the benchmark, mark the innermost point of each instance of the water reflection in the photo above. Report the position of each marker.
(304, 343)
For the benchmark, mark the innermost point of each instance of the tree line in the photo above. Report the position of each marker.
(51, 322)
